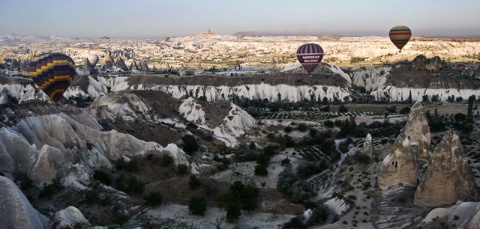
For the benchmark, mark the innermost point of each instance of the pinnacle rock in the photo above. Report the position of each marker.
(447, 178)
(399, 166)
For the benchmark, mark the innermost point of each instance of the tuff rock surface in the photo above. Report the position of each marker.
(417, 125)
(70, 217)
(368, 146)
(15, 209)
(447, 178)
(399, 166)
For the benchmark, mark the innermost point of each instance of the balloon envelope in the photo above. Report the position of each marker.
(53, 73)
(400, 35)
(310, 55)
(460, 67)
(93, 59)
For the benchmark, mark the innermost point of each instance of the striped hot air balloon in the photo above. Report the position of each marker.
(310, 55)
(400, 35)
(53, 73)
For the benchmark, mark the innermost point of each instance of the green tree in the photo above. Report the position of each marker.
(302, 127)
(102, 177)
(190, 144)
(471, 99)
(197, 206)
(286, 179)
(342, 109)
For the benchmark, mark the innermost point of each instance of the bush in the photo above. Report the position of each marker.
(342, 109)
(252, 145)
(286, 179)
(166, 160)
(405, 110)
(50, 189)
(294, 222)
(194, 182)
(129, 185)
(261, 170)
(130, 166)
(319, 215)
(269, 150)
(182, 169)
(302, 127)
(197, 206)
(328, 123)
(233, 213)
(288, 129)
(302, 192)
(285, 162)
(306, 169)
(102, 177)
(153, 199)
(190, 145)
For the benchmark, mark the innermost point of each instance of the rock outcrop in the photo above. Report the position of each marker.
(134, 66)
(470, 72)
(15, 209)
(368, 146)
(447, 178)
(198, 70)
(399, 166)
(121, 64)
(433, 64)
(87, 66)
(417, 126)
(182, 71)
(70, 217)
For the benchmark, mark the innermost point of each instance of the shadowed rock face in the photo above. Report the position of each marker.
(399, 166)
(417, 126)
(448, 178)
(15, 209)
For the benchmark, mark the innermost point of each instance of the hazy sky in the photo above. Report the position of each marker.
(159, 18)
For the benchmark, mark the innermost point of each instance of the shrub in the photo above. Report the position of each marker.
(252, 145)
(286, 179)
(294, 222)
(194, 182)
(130, 166)
(302, 127)
(319, 215)
(197, 206)
(307, 168)
(129, 185)
(285, 162)
(190, 145)
(288, 129)
(302, 192)
(342, 109)
(182, 169)
(102, 177)
(261, 170)
(153, 199)
(166, 160)
(50, 189)
(233, 212)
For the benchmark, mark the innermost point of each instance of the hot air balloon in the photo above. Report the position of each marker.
(53, 73)
(93, 59)
(310, 55)
(400, 35)
(460, 67)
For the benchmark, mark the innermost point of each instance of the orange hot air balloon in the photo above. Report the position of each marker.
(310, 55)
(400, 35)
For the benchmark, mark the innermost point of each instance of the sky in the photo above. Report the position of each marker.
(166, 18)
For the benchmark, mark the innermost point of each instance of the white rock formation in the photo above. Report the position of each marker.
(15, 209)
(399, 166)
(70, 217)
(368, 146)
(448, 178)
(416, 127)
